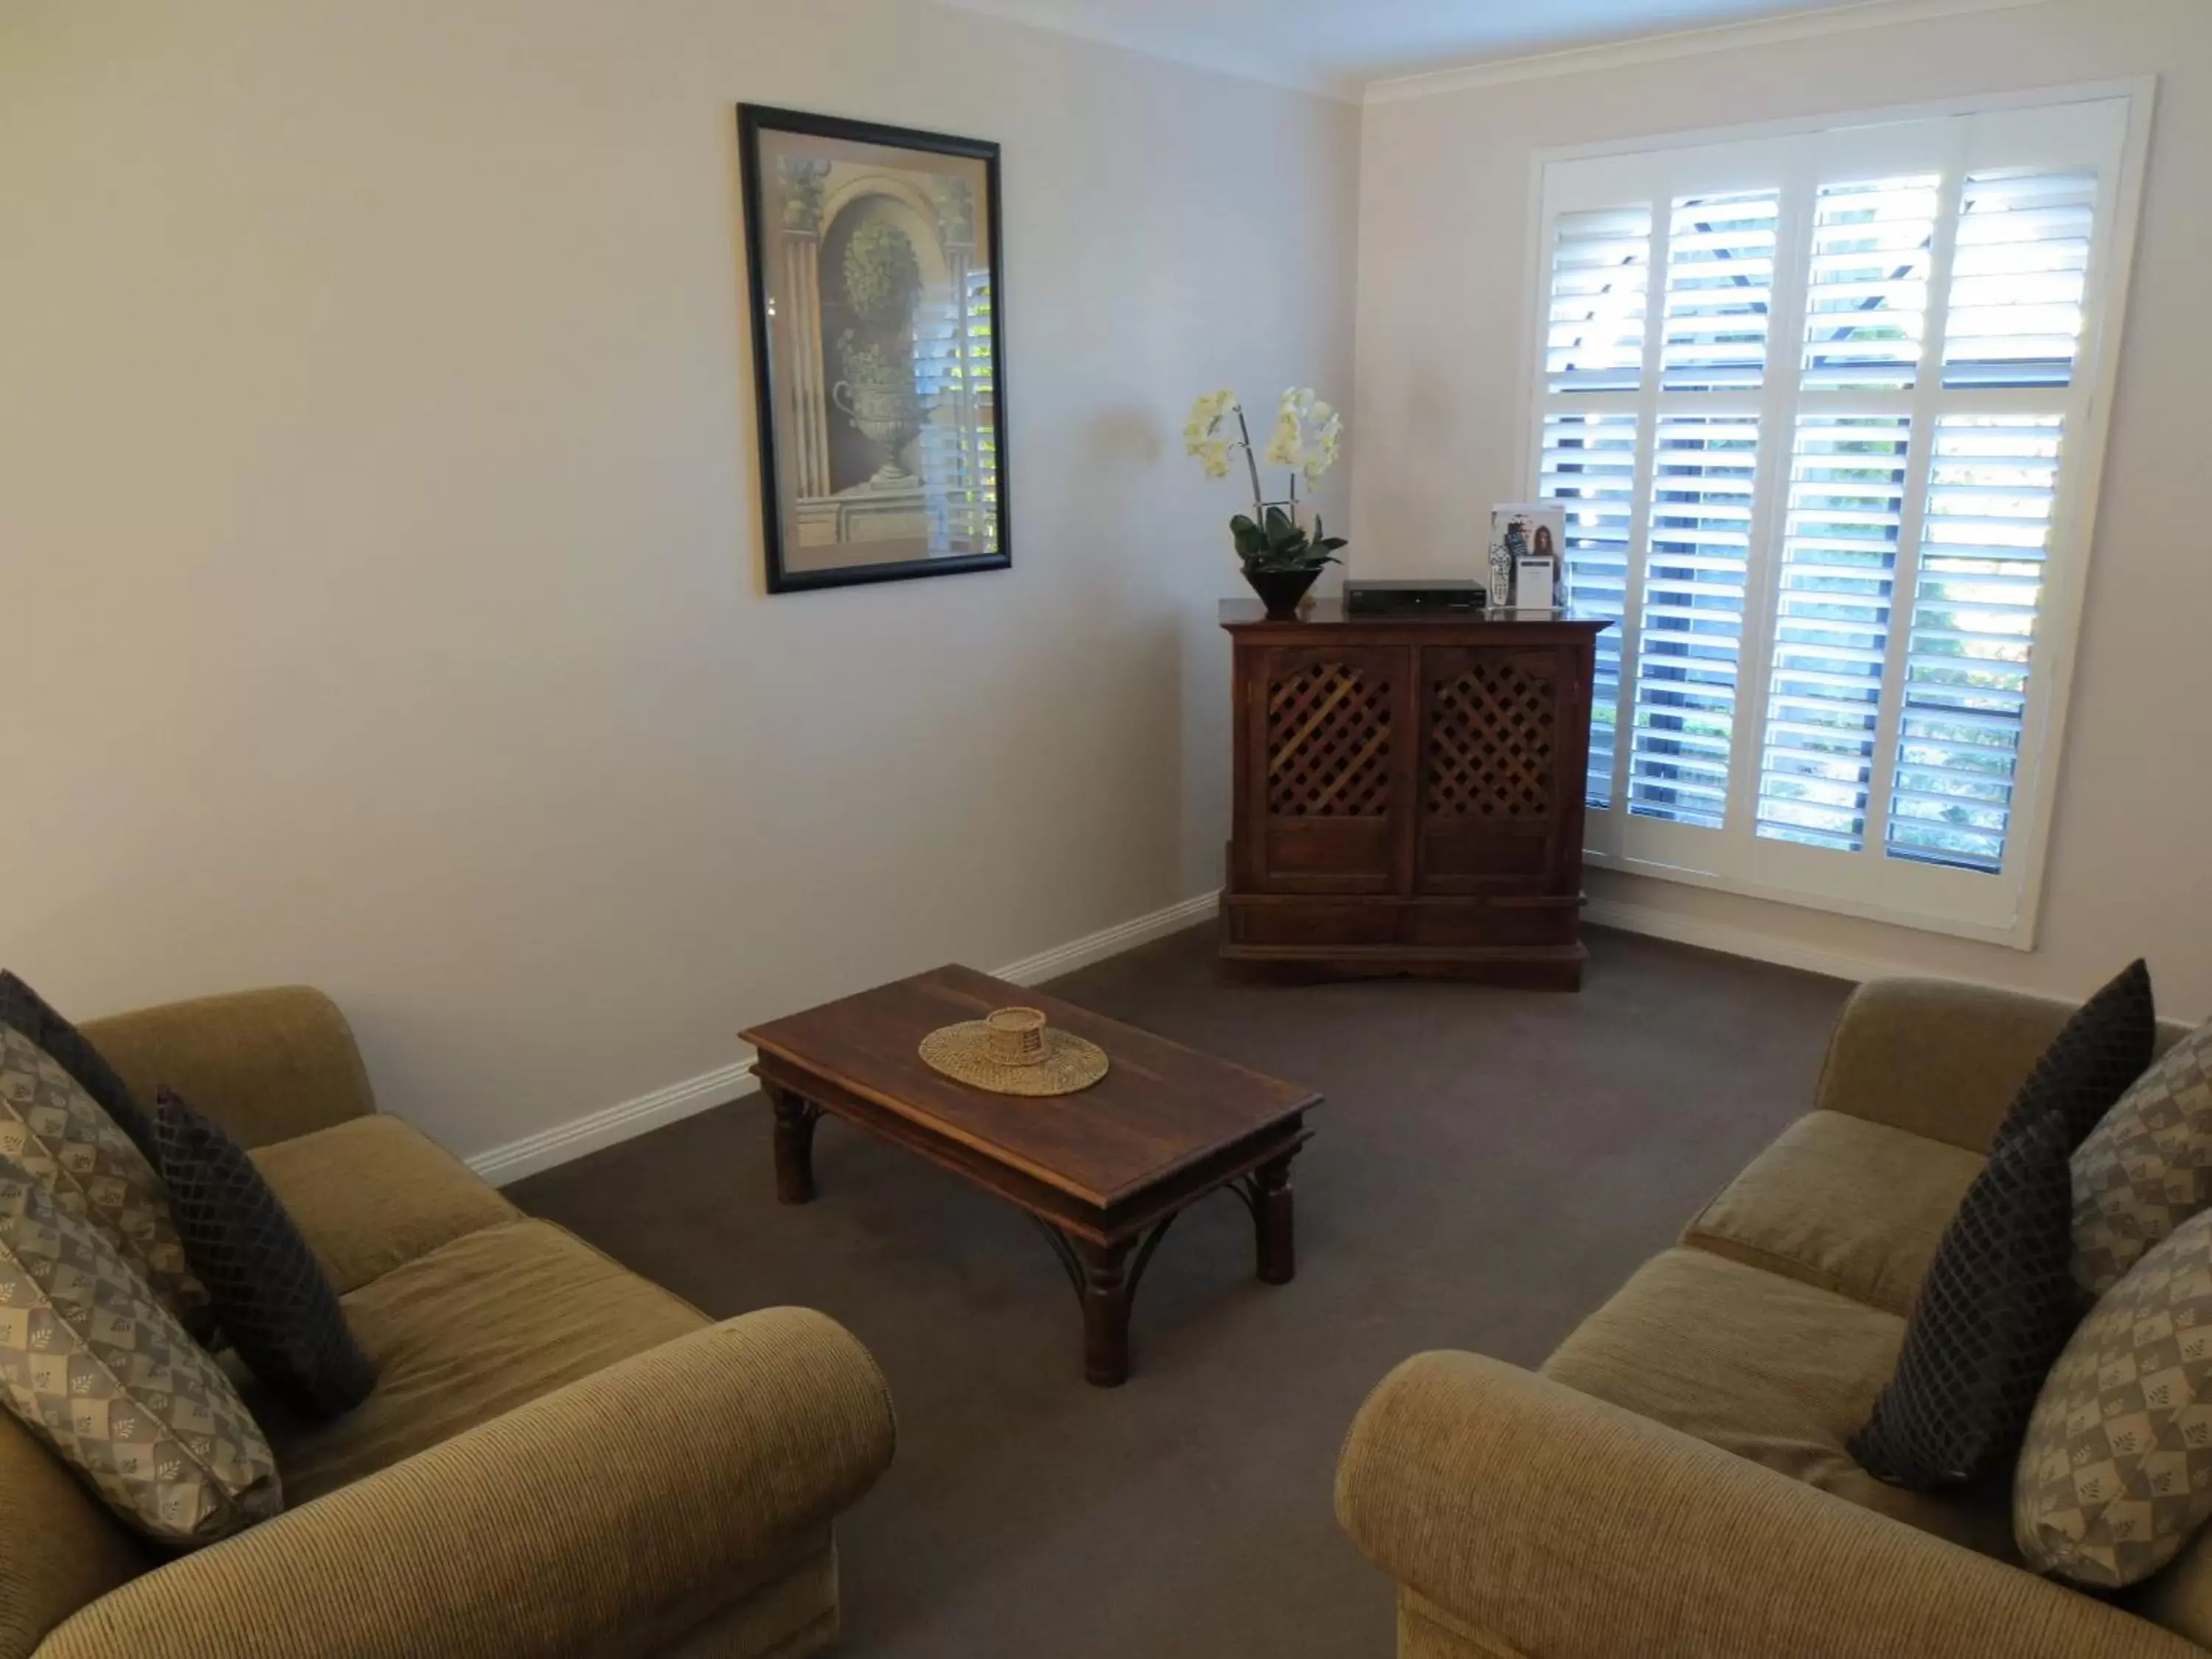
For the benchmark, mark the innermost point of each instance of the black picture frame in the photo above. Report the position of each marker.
(785, 573)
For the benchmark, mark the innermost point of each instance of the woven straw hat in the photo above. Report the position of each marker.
(1012, 1051)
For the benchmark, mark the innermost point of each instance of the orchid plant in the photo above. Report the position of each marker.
(1307, 437)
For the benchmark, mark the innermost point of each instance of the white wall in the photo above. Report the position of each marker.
(377, 486)
(1443, 318)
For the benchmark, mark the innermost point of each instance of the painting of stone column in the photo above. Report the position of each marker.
(873, 280)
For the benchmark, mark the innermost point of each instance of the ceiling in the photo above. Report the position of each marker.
(1338, 45)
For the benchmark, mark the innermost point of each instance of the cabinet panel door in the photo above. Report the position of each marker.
(1330, 735)
(1500, 727)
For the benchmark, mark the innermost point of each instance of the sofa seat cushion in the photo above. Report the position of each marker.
(473, 1329)
(373, 1194)
(1776, 1370)
(1852, 1207)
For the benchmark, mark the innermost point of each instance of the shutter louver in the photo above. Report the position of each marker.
(1832, 628)
(1689, 645)
(1989, 492)
(1866, 310)
(1720, 289)
(1589, 465)
(1601, 270)
(2019, 278)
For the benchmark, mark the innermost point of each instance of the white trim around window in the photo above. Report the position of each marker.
(1827, 403)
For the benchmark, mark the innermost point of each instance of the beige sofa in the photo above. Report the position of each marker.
(1675, 1479)
(560, 1458)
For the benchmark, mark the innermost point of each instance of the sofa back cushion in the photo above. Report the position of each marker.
(267, 1065)
(1940, 1059)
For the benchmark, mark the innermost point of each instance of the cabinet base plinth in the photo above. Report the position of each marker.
(1530, 945)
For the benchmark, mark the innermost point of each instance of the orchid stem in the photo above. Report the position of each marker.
(1245, 432)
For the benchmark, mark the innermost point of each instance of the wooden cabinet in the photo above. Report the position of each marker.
(1409, 794)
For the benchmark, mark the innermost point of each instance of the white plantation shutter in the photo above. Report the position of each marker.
(1589, 461)
(1832, 602)
(1689, 638)
(1820, 408)
(1987, 530)
(1720, 287)
(1866, 302)
(1601, 266)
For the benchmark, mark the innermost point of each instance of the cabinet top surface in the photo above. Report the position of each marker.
(1242, 613)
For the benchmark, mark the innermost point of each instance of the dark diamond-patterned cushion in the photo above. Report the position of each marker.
(2102, 1048)
(1995, 1309)
(24, 1010)
(270, 1295)
(2117, 1473)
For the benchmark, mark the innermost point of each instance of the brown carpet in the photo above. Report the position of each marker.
(1489, 1166)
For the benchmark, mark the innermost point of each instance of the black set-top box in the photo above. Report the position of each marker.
(1423, 595)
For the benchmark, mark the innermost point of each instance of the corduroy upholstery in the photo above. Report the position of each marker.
(373, 1194)
(267, 1065)
(1781, 1373)
(547, 1531)
(1851, 1207)
(1675, 1482)
(560, 1458)
(1940, 1059)
(473, 1329)
(1568, 1527)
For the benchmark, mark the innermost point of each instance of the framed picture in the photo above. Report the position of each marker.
(872, 261)
(1527, 530)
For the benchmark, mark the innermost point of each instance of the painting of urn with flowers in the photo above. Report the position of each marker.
(873, 261)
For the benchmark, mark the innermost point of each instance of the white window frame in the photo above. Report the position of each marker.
(2001, 908)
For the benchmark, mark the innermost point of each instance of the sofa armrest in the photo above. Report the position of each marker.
(1939, 1059)
(544, 1532)
(1564, 1526)
(267, 1065)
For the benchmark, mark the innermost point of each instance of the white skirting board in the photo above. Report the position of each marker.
(589, 1133)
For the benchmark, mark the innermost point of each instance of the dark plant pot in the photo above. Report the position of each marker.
(1281, 590)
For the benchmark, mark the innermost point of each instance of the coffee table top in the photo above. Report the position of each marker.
(1159, 1107)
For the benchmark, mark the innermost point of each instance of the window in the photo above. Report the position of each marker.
(1824, 409)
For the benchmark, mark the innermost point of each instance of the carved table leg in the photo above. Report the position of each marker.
(1272, 1210)
(1106, 1288)
(795, 1119)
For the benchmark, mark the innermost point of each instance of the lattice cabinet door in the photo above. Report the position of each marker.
(1503, 744)
(1327, 761)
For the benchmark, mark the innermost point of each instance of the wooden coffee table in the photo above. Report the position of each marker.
(1103, 1172)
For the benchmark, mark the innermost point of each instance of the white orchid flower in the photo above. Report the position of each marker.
(1284, 446)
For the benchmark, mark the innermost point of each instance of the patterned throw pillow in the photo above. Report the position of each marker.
(2117, 1473)
(26, 1011)
(53, 1130)
(274, 1302)
(2103, 1047)
(97, 1369)
(1994, 1312)
(2147, 1168)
